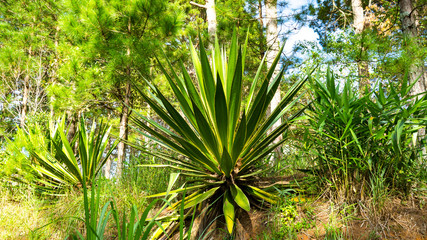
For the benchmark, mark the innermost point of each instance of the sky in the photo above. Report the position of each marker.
(298, 33)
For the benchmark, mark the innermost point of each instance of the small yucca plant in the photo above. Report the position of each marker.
(57, 167)
(223, 142)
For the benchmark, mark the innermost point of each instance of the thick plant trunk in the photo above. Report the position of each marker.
(123, 134)
(25, 100)
(273, 44)
(409, 26)
(359, 26)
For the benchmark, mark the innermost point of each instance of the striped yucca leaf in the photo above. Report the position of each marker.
(221, 139)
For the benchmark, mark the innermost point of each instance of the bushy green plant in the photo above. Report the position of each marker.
(223, 143)
(14, 153)
(356, 138)
(95, 222)
(134, 228)
(55, 166)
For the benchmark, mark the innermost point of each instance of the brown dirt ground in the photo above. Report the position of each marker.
(398, 222)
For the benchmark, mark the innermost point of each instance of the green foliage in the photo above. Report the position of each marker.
(221, 140)
(27, 36)
(148, 180)
(15, 155)
(293, 222)
(95, 222)
(58, 167)
(291, 216)
(356, 138)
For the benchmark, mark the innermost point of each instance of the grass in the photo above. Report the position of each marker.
(294, 217)
(24, 215)
(21, 212)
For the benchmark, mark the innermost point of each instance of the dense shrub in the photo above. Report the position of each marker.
(357, 139)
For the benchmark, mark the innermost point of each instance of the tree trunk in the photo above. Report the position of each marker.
(73, 127)
(107, 166)
(54, 73)
(358, 16)
(25, 100)
(409, 29)
(273, 44)
(416, 71)
(359, 26)
(261, 31)
(123, 134)
(211, 18)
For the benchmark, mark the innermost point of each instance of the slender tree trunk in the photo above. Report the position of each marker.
(358, 16)
(273, 43)
(55, 68)
(211, 17)
(359, 26)
(107, 166)
(123, 134)
(261, 30)
(73, 126)
(25, 100)
(409, 27)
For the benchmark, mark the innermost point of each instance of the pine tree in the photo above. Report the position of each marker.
(26, 55)
(119, 39)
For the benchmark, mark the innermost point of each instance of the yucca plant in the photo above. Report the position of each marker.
(57, 166)
(223, 142)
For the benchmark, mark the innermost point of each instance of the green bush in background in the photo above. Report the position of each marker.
(358, 139)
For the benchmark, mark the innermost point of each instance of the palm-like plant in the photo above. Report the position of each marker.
(57, 166)
(224, 142)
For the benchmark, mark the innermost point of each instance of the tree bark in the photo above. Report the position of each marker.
(261, 31)
(359, 26)
(273, 44)
(417, 72)
(73, 127)
(123, 134)
(107, 166)
(409, 26)
(358, 16)
(211, 18)
(25, 100)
